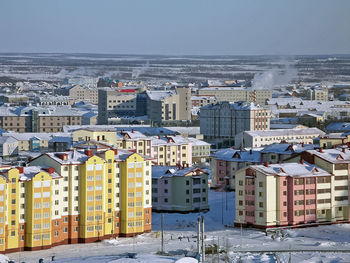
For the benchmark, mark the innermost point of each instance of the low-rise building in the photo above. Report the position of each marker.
(8, 146)
(43, 142)
(97, 133)
(179, 189)
(332, 140)
(267, 137)
(279, 152)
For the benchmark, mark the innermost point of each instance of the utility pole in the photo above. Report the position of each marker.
(198, 235)
(203, 242)
(162, 227)
(222, 208)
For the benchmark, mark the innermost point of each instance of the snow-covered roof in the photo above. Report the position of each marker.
(7, 139)
(241, 105)
(291, 169)
(338, 155)
(159, 95)
(338, 126)
(26, 136)
(73, 157)
(170, 171)
(286, 148)
(284, 132)
(233, 155)
(30, 171)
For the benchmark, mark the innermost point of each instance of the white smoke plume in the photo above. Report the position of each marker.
(274, 77)
(138, 71)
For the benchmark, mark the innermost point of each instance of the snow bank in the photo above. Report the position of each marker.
(186, 260)
(3, 259)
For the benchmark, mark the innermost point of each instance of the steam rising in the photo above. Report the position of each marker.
(138, 71)
(274, 77)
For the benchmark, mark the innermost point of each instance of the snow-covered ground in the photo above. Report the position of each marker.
(180, 237)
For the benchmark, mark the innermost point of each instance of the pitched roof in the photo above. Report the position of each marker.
(291, 169)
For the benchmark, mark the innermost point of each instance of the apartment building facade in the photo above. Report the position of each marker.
(226, 120)
(167, 106)
(290, 194)
(226, 162)
(71, 197)
(113, 103)
(38, 119)
(263, 138)
(234, 94)
(179, 189)
(79, 93)
(171, 151)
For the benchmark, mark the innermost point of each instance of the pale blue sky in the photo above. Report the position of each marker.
(177, 27)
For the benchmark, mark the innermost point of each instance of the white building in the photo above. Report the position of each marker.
(263, 138)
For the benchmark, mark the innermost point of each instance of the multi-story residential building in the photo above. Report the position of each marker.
(171, 150)
(290, 194)
(136, 141)
(225, 120)
(226, 162)
(166, 106)
(179, 189)
(233, 94)
(79, 92)
(71, 197)
(264, 138)
(113, 103)
(318, 93)
(38, 119)
(200, 150)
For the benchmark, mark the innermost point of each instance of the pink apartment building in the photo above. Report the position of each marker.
(289, 194)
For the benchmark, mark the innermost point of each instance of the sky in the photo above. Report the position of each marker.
(178, 27)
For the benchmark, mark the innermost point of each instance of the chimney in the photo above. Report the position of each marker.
(321, 151)
(266, 164)
(20, 169)
(343, 150)
(88, 152)
(250, 151)
(132, 130)
(187, 165)
(302, 144)
(301, 161)
(62, 156)
(115, 151)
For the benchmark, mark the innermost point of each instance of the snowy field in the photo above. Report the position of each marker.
(180, 237)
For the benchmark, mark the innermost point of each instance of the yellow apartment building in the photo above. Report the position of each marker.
(74, 196)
